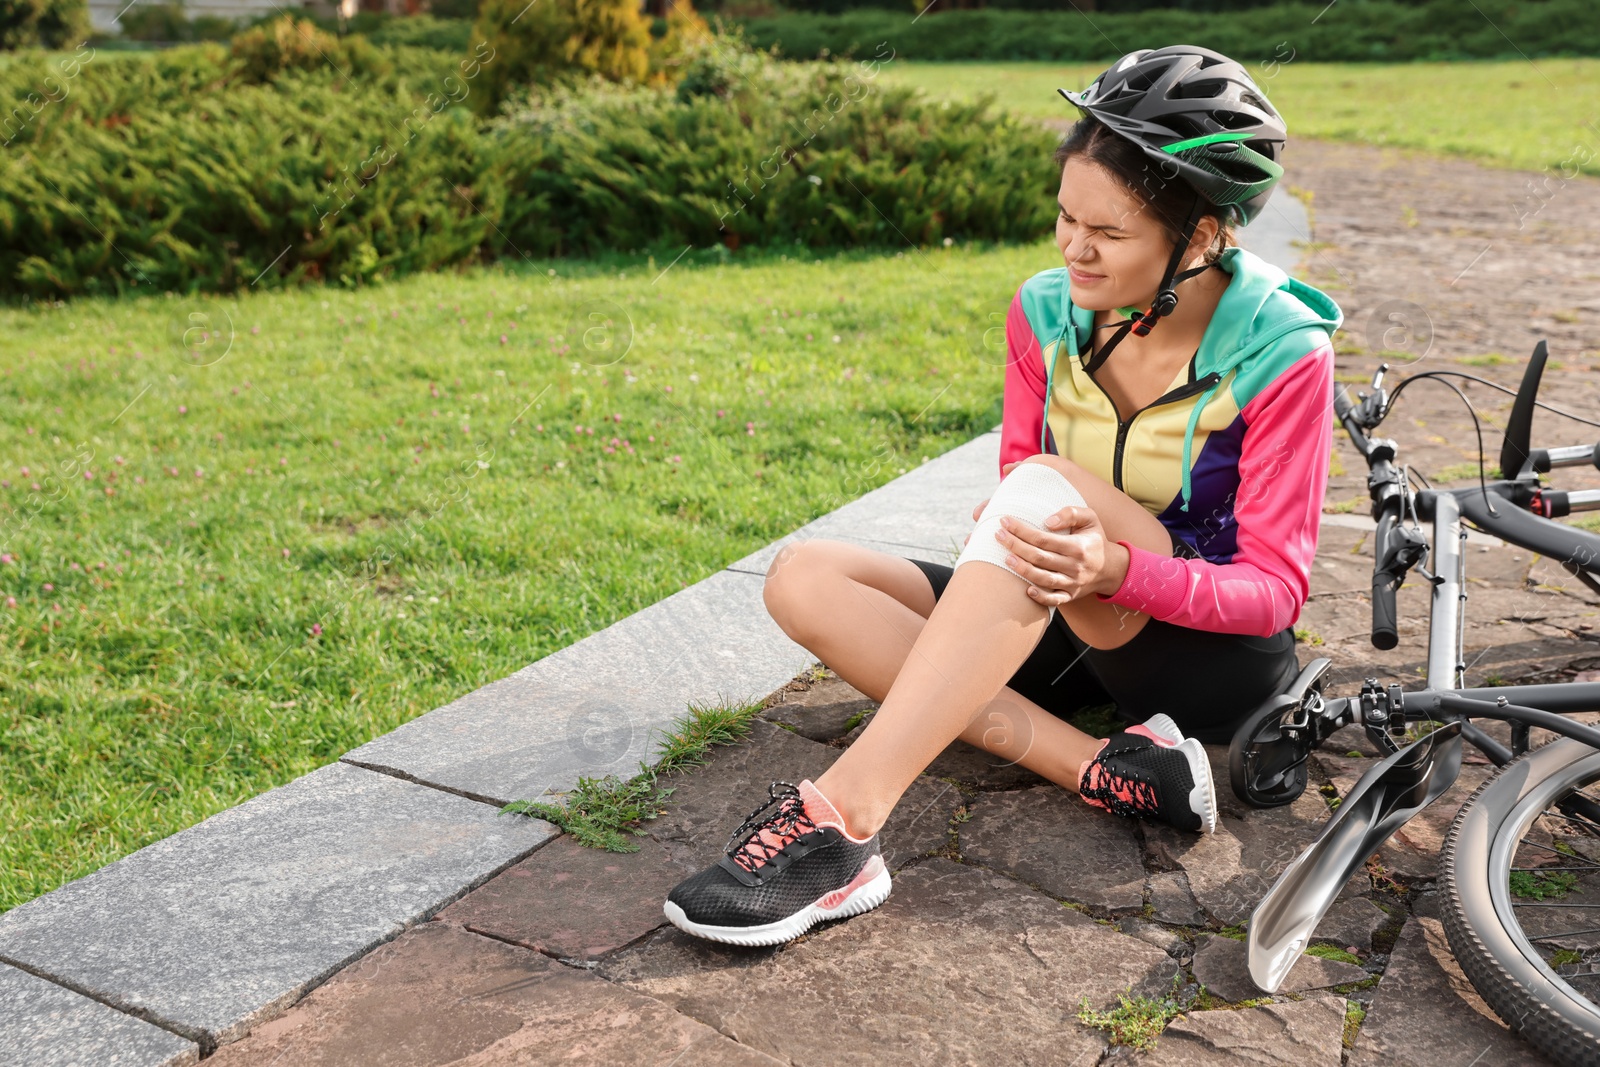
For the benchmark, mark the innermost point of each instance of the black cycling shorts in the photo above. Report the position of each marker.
(1207, 681)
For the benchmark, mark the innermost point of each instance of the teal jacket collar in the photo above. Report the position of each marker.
(1261, 306)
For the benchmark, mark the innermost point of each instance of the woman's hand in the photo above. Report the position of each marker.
(1068, 559)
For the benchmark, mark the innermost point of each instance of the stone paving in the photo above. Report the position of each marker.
(1013, 902)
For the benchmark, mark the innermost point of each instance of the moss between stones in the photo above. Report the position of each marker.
(855, 720)
(1333, 952)
(1354, 1016)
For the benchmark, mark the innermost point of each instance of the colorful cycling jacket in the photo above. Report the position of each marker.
(1232, 458)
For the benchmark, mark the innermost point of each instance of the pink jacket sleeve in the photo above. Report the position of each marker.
(1023, 415)
(1283, 476)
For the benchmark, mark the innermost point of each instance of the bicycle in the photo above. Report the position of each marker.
(1521, 862)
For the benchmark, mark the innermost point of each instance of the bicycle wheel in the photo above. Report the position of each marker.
(1522, 899)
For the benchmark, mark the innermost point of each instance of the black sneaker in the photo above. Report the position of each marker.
(782, 874)
(1153, 773)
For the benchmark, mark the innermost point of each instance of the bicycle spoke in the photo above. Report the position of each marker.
(1535, 844)
(1565, 933)
(1585, 823)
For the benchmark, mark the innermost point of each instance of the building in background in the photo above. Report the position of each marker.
(104, 15)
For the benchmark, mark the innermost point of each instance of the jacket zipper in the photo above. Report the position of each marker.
(1197, 386)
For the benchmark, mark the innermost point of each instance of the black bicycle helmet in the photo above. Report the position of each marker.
(1193, 108)
(1190, 110)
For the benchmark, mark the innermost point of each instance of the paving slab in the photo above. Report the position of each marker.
(598, 706)
(981, 769)
(1307, 1033)
(822, 710)
(1426, 1014)
(45, 1025)
(571, 901)
(1050, 839)
(926, 512)
(232, 919)
(710, 802)
(1172, 901)
(958, 966)
(439, 995)
(1229, 871)
(1222, 965)
(1351, 924)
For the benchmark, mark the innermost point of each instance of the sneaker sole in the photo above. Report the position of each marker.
(1203, 797)
(871, 889)
(1163, 725)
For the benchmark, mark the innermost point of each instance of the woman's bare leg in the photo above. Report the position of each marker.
(861, 612)
(951, 679)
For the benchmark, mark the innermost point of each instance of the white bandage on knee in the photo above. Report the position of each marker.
(1030, 493)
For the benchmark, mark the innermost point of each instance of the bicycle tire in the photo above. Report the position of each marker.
(1505, 969)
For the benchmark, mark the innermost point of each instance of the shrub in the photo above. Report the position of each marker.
(43, 23)
(197, 178)
(713, 70)
(425, 31)
(821, 155)
(550, 40)
(263, 52)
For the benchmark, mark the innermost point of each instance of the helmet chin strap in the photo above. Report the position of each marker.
(1166, 302)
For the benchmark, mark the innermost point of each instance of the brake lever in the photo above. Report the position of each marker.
(1407, 549)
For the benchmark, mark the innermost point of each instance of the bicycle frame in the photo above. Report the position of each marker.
(1519, 510)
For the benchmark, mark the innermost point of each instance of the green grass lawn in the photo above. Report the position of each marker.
(1513, 113)
(247, 554)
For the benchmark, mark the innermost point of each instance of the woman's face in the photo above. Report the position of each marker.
(1115, 248)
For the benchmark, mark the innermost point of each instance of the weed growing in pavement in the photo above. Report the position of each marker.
(599, 810)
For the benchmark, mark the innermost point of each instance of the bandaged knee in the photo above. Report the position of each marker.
(1031, 493)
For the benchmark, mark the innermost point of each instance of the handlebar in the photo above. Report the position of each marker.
(1526, 521)
(1388, 566)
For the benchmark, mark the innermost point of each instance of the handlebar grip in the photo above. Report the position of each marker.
(1342, 404)
(1384, 634)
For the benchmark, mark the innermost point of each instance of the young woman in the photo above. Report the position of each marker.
(1175, 477)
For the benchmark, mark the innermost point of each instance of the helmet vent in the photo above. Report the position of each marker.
(1140, 81)
(1200, 90)
(1234, 120)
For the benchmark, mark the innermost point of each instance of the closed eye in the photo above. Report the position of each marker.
(1115, 236)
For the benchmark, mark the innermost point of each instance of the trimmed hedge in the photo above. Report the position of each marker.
(167, 171)
(1350, 31)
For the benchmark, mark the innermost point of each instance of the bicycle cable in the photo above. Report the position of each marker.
(1476, 424)
(1493, 385)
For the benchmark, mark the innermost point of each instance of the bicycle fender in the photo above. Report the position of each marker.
(1385, 799)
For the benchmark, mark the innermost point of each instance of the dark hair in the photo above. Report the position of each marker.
(1169, 199)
